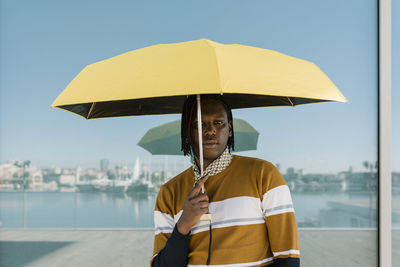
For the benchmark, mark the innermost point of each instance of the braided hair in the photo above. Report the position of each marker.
(188, 113)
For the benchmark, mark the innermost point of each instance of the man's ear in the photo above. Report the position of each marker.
(230, 128)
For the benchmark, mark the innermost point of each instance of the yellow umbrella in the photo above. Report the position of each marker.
(157, 79)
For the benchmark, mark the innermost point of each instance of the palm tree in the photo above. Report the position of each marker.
(370, 167)
(23, 165)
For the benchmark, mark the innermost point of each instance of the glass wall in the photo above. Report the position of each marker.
(59, 171)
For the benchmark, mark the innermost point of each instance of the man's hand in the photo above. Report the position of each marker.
(196, 204)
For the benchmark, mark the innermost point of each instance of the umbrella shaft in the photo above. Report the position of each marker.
(199, 127)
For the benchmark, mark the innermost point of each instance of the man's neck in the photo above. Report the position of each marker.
(206, 163)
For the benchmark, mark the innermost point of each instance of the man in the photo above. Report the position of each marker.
(253, 222)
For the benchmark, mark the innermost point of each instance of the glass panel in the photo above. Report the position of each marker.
(92, 175)
(395, 132)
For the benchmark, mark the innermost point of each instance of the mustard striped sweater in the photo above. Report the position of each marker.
(253, 221)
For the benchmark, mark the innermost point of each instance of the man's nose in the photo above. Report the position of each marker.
(208, 129)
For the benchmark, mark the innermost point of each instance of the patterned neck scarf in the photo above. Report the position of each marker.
(217, 166)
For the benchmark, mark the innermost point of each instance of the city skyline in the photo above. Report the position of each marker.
(166, 164)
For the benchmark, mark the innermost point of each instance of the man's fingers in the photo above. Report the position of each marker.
(204, 210)
(197, 189)
(199, 198)
(201, 208)
(202, 180)
(203, 205)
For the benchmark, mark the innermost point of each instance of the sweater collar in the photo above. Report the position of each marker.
(217, 166)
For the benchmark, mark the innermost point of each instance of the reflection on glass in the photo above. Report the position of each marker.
(337, 207)
(335, 204)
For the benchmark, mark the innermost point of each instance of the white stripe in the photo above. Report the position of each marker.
(235, 222)
(164, 223)
(236, 264)
(232, 212)
(277, 201)
(164, 231)
(287, 252)
(280, 211)
(236, 207)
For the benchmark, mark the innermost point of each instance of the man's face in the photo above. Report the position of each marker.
(216, 130)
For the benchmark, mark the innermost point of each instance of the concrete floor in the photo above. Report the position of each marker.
(134, 247)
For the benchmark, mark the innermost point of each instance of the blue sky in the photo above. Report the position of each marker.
(45, 44)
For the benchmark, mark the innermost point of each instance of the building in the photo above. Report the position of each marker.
(104, 163)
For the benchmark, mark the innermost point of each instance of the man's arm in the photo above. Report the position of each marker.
(280, 221)
(175, 252)
(287, 262)
(171, 249)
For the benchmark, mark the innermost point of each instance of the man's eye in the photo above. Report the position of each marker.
(218, 122)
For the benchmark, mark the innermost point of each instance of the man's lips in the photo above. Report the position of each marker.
(210, 144)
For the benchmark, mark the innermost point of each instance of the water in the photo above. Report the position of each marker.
(105, 210)
(76, 210)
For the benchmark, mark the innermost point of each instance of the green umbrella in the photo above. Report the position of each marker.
(166, 139)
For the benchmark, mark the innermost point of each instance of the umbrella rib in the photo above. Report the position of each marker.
(291, 103)
(217, 66)
(90, 110)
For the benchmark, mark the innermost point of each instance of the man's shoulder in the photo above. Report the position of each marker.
(261, 169)
(181, 179)
(255, 162)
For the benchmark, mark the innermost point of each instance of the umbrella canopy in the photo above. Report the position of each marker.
(157, 79)
(166, 139)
